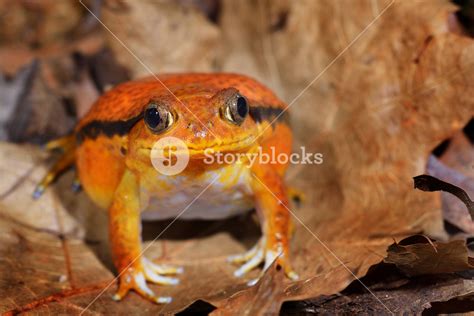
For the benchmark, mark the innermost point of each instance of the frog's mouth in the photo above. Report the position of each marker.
(199, 152)
(223, 147)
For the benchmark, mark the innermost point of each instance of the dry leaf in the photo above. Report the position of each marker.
(37, 22)
(164, 36)
(391, 292)
(12, 93)
(417, 255)
(425, 294)
(261, 299)
(21, 169)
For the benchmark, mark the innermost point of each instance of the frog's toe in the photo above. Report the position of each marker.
(132, 280)
(154, 273)
(270, 257)
(289, 272)
(76, 185)
(251, 264)
(154, 277)
(250, 259)
(246, 256)
(162, 269)
(260, 254)
(38, 192)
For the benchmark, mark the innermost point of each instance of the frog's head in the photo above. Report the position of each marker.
(219, 121)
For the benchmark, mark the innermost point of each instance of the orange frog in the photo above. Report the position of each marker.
(226, 113)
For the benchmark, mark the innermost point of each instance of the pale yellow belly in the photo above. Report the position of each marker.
(215, 194)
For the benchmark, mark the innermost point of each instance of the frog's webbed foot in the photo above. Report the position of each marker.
(162, 269)
(258, 254)
(135, 278)
(76, 185)
(67, 146)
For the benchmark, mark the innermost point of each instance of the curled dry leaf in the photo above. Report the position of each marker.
(430, 184)
(417, 255)
(416, 276)
(456, 167)
(433, 294)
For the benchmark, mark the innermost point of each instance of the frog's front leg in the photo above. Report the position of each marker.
(271, 201)
(125, 238)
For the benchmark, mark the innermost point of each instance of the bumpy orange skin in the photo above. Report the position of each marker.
(110, 167)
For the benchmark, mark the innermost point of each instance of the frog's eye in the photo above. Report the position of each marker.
(235, 109)
(158, 118)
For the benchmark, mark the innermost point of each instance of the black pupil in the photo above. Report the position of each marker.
(242, 108)
(152, 117)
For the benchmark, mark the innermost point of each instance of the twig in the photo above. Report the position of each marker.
(428, 183)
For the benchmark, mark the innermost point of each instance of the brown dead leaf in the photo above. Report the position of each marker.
(417, 255)
(42, 256)
(21, 169)
(423, 294)
(14, 57)
(39, 113)
(261, 299)
(12, 93)
(430, 266)
(44, 29)
(164, 36)
(37, 22)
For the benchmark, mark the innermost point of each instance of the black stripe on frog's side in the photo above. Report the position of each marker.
(265, 113)
(107, 128)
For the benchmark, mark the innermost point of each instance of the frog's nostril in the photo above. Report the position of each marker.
(200, 134)
(189, 126)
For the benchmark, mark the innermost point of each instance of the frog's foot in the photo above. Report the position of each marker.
(162, 269)
(65, 162)
(258, 254)
(135, 279)
(76, 185)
